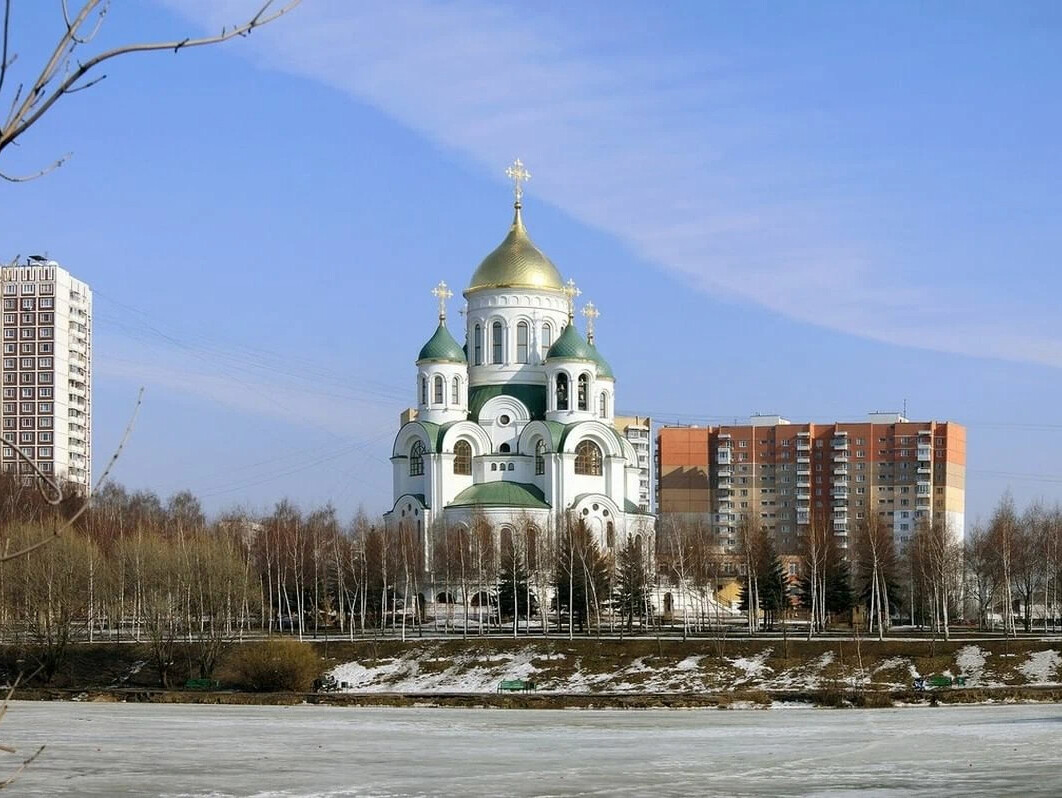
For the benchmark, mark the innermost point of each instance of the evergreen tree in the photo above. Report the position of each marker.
(838, 598)
(771, 579)
(632, 583)
(839, 588)
(513, 593)
(581, 577)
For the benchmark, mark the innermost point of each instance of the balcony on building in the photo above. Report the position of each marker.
(840, 524)
(924, 469)
(803, 445)
(841, 468)
(925, 452)
(841, 443)
(803, 459)
(840, 457)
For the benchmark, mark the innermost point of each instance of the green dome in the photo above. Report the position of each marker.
(571, 346)
(604, 370)
(442, 347)
(517, 263)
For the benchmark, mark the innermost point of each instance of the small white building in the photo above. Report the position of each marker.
(516, 426)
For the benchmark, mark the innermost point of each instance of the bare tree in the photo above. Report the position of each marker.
(70, 66)
(1003, 529)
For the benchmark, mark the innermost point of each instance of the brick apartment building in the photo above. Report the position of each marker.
(786, 473)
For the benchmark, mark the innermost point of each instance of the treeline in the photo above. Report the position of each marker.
(134, 567)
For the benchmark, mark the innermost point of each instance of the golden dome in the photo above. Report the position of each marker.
(516, 263)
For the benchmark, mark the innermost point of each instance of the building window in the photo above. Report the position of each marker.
(610, 535)
(416, 459)
(521, 342)
(455, 392)
(496, 341)
(547, 337)
(588, 459)
(423, 390)
(584, 390)
(477, 344)
(462, 458)
(602, 408)
(562, 391)
(438, 390)
(540, 458)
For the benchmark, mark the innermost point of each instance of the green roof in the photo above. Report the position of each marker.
(434, 434)
(533, 397)
(571, 346)
(442, 347)
(603, 368)
(631, 507)
(501, 494)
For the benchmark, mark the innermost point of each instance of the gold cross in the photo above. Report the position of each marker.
(591, 313)
(442, 293)
(518, 174)
(571, 292)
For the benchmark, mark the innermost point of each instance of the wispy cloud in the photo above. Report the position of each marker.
(641, 146)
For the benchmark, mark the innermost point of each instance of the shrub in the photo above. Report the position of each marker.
(275, 666)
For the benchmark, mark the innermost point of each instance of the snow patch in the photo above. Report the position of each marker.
(1041, 667)
(971, 662)
(753, 667)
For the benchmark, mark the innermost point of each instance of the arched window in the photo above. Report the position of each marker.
(562, 391)
(438, 390)
(416, 459)
(547, 337)
(521, 342)
(602, 405)
(610, 535)
(455, 392)
(504, 448)
(477, 345)
(423, 390)
(462, 458)
(584, 390)
(540, 458)
(506, 540)
(588, 459)
(496, 340)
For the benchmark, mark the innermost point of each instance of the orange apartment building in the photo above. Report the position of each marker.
(787, 473)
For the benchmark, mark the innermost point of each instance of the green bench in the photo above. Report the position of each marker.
(926, 682)
(201, 684)
(516, 686)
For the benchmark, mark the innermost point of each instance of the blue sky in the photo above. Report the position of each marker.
(814, 209)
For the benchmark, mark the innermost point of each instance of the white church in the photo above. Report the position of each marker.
(516, 426)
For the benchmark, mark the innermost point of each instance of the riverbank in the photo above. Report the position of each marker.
(735, 699)
(583, 673)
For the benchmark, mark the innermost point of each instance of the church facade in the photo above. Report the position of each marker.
(515, 427)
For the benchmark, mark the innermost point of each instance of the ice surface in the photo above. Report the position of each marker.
(193, 751)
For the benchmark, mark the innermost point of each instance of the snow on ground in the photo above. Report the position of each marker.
(971, 663)
(689, 664)
(1041, 667)
(419, 671)
(754, 667)
(804, 676)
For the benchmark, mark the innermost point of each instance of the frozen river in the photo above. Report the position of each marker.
(186, 750)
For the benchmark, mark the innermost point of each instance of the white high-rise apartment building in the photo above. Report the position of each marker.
(47, 371)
